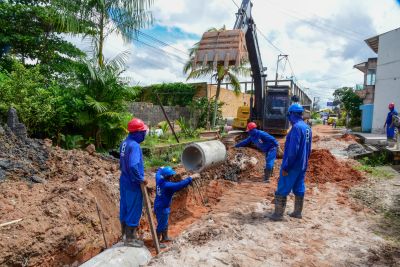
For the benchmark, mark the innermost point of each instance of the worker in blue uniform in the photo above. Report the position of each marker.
(132, 175)
(264, 142)
(165, 189)
(294, 165)
(390, 129)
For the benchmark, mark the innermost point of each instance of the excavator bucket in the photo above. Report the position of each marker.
(226, 48)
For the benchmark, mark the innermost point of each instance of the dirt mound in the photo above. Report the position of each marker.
(22, 158)
(242, 164)
(324, 167)
(59, 223)
(348, 138)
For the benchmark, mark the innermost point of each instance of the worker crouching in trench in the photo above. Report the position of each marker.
(165, 189)
(294, 165)
(264, 142)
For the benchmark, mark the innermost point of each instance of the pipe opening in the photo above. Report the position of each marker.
(192, 158)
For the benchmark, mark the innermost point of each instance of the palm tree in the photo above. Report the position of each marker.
(105, 17)
(105, 95)
(220, 74)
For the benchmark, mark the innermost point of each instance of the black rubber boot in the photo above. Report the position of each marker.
(123, 229)
(280, 206)
(298, 207)
(267, 174)
(159, 235)
(165, 237)
(131, 239)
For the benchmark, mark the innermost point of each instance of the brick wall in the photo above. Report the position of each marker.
(152, 114)
(231, 101)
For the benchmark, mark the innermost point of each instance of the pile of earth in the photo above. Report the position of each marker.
(60, 224)
(22, 158)
(323, 167)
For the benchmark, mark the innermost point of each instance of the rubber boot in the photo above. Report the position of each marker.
(159, 235)
(165, 237)
(298, 207)
(280, 205)
(123, 229)
(131, 239)
(267, 174)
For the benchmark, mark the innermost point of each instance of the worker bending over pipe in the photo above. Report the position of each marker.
(294, 165)
(264, 142)
(132, 175)
(390, 129)
(165, 189)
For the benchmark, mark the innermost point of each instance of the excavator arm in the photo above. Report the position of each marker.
(245, 22)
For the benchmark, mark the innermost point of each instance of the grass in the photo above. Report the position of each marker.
(154, 141)
(375, 171)
(170, 157)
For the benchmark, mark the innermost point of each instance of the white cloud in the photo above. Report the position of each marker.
(324, 39)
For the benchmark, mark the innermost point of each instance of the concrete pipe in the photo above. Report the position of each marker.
(199, 156)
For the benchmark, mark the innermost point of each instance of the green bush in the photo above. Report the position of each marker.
(201, 107)
(171, 94)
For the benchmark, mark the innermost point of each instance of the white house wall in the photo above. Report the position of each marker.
(387, 88)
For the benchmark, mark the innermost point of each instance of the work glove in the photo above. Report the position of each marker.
(195, 176)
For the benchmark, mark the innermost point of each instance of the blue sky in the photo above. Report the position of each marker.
(324, 39)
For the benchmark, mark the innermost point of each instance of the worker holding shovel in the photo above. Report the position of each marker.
(132, 176)
(165, 189)
(294, 165)
(264, 142)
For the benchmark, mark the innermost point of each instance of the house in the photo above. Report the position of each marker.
(386, 78)
(367, 91)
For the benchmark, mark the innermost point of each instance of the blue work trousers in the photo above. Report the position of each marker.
(293, 182)
(389, 132)
(162, 220)
(130, 206)
(270, 158)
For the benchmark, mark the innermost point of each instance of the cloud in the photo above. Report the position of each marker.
(324, 39)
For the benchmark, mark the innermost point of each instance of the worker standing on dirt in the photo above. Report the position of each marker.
(165, 189)
(390, 129)
(264, 142)
(132, 175)
(294, 164)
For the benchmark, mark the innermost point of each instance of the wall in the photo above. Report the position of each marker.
(387, 87)
(152, 114)
(232, 102)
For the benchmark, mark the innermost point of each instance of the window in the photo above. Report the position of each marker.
(371, 73)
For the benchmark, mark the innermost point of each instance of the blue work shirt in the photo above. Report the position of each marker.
(389, 117)
(262, 140)
(131, 162)
(165, 190)
(297, 146)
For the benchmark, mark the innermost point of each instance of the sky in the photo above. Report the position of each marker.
(324, 39)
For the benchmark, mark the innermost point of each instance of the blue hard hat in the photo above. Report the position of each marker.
(296, 108)
(167, 171)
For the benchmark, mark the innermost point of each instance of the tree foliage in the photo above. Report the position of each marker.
(30, 30)
(349, 101)
(107, 17)
(170, 94)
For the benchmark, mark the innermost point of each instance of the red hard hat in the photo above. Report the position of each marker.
(251, 126)
(391, 106)
(136, 125)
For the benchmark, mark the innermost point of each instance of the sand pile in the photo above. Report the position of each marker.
(324, 167)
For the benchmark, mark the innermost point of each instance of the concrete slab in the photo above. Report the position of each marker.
(119, 256)
(369, 138)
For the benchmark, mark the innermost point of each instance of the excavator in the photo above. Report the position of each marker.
(269, 100)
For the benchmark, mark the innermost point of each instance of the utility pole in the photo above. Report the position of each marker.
(280, 57)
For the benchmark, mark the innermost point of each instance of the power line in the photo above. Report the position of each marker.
(270, 42)
(173, 56)
(150, 37)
